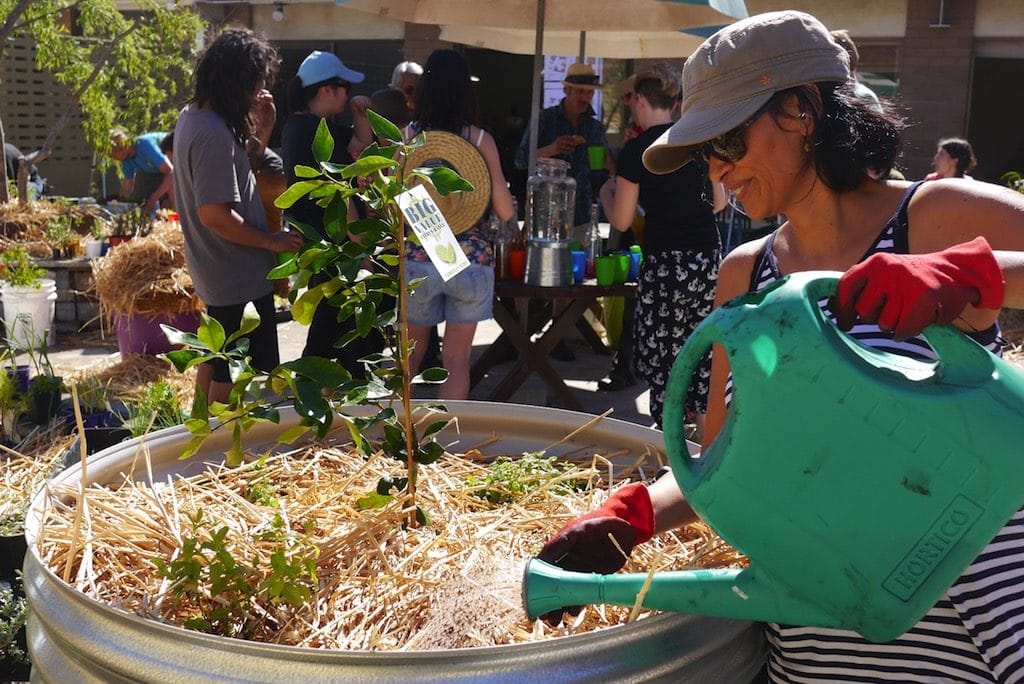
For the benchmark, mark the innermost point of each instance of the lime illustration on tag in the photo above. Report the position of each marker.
(435, 235)
(445, 253)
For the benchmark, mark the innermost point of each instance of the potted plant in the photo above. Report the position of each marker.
(97, 238)
(44, 387)
(28, 298)
(305, 399)
(156, 408)
(59, 236)
(143, 284)
(14, 663)
(129, 224)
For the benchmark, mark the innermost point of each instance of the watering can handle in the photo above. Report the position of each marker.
(673, 406)
(961, 362)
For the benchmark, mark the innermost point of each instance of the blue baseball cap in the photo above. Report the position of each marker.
(324, 66)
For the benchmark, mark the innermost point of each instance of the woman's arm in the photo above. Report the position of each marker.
(949, 212)
(501, 198)
(619, 197)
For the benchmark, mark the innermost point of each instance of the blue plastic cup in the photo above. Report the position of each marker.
(579, 266)
(634, 266)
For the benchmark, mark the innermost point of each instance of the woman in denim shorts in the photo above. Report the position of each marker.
(444, 101)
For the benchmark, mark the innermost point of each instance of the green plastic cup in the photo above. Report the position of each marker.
(604, 269)
(596, 154)
(621, 268)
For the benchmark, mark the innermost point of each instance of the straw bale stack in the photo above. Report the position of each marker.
(146, 276)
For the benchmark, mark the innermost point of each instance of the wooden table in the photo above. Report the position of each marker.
(523, 310)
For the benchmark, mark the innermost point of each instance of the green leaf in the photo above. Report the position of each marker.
(250, 321)
(211, 334)
(292, 434)
(323, 142)
(328, 373)
(382, 128)
(296, 192)
(367, 165)
(336, 218)
(375, 150)
(434, 375)
(373, 500)
(305, 305)
(444, 179)
(302, 171)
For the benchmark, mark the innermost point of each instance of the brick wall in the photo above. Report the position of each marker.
(935, 78)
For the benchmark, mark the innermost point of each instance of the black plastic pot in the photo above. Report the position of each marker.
(44, 401)
(12, 557)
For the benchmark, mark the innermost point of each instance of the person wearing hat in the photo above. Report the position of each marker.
(445, 112)
(566, 130)
(320, 91)
(682, 250)
(228, 247)
(769, 104)
(624, 90)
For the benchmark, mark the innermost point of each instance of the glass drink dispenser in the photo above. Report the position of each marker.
(550, 208)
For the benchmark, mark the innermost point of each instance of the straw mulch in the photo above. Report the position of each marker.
(146, 276)
(25, 468)
(381, 586)
(26, 224)
(126, 378)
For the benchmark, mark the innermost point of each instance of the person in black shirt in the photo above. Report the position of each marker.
(676, 288)
(320, 90)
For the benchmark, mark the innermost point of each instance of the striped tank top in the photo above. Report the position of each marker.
(976, 631)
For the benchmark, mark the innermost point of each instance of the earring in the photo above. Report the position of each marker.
(807, 145)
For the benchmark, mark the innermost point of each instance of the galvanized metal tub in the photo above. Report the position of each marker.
(73, 638)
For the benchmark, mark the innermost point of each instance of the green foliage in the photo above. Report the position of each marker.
(512, 479)
(92, 396)
(224, 590)
(363, 252)
(156, 408)
(123, 63)
(1013, 180)
(58, 231)
(13, 614)
(132, 223)
(19, 269)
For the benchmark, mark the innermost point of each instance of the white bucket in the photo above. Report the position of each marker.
(28, 313)
(93, 248)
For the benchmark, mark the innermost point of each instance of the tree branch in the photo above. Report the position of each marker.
(51, 137)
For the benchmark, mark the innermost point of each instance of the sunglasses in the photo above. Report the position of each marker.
(730, 146)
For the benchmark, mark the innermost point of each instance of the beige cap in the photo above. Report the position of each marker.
(736, 71)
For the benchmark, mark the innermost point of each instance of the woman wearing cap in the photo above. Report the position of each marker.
(445, 102)
(320, 90)
(769, 103)
(954, 157)
(681, 245)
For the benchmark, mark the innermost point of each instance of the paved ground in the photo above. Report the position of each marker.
(74, 351)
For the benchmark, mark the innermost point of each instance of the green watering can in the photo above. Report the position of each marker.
(860, 484)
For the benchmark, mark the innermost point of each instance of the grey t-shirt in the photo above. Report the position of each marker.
(211, 168)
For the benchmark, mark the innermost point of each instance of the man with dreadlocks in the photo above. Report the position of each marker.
(228, 249)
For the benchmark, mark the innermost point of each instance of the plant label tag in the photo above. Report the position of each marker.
(432, 229)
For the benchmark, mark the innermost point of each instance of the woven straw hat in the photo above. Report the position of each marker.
(462, 210)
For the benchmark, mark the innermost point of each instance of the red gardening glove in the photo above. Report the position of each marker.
(906, 293)
(583, 545)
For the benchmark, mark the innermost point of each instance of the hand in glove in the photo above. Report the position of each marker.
(906, 293)
(585, 544)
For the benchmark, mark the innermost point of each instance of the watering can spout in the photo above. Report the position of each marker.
(729, 593)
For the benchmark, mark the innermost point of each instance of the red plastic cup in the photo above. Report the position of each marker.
(516, 264)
